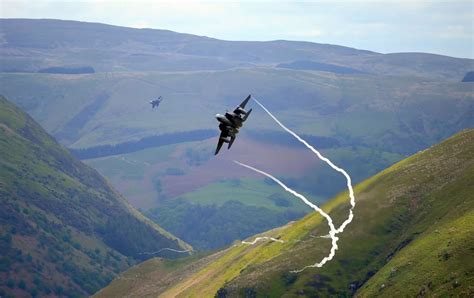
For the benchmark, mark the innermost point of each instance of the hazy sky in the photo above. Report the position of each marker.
(442, 27)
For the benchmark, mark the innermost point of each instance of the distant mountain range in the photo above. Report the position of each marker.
(31, 45)
(63, 229)
(411, 236)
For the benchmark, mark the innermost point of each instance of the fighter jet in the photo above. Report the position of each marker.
(230, 123)
(156, 102)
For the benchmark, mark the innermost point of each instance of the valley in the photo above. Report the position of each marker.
(410, 235)
(99, 189)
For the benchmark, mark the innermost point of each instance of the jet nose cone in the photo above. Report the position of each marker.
(218, 116)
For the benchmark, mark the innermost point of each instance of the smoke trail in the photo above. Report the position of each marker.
(321, 157)
(263, 238)
(166, 248)
(296, 194)
(333, 231)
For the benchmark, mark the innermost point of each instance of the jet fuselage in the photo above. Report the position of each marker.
(230, 119)
(230, 122)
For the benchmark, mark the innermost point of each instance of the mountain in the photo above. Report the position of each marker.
(411, 236)
(364, 110)
(63, 229)
(26, 43)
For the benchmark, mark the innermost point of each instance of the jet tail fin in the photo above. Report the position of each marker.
(242, 105)
(248, 114)
(232, 139)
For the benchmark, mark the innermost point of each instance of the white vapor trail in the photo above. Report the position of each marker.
(166, 248)
(296, 194)
(321, 157)
(333, 231)
(263, 238)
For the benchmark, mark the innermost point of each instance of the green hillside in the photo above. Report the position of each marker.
(411, 235)
(63, 229)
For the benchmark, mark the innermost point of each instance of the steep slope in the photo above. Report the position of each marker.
(63, 229)
(411, 235)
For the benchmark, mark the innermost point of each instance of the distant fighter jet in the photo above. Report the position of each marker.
(156, 102)
(230, 123)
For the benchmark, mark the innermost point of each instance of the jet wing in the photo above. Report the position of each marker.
(242, 105)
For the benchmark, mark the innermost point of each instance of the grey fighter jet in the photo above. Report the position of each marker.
(230, 123)
(156, 102)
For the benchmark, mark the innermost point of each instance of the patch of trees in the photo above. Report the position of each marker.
(322, 284)
(209, 226)
(68, 70)
(221, 293)
(249, 293)
(70, 131)
(56, 245)
(196, 157)
(279, 200)
(144, 143)
(174, 172)
(89, 280)
(469, 77)
(131, 237)
(289, 278)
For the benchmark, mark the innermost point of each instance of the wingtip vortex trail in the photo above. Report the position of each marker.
(333, 231)
(163, 249)
(262, 238)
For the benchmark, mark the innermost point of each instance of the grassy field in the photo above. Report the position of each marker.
(247, 191)
(437, 263)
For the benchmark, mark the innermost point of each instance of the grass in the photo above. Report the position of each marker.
(251, 192)
(130, 279)
(60, 218)
(118, 166)
(387, 223)
(411, 233)
(437, 263)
